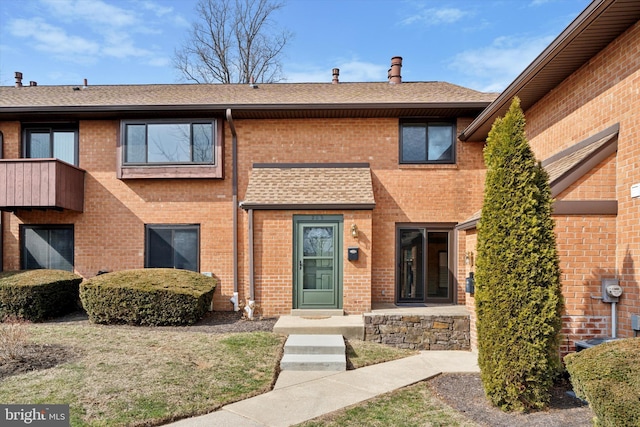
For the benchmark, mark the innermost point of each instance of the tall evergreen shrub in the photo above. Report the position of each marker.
(518, 293)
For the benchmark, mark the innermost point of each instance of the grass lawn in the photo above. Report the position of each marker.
(413, 406)
(127, 375)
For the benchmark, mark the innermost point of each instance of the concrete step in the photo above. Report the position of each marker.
(315, 344)
(313, 362)
(314, 353)
(350, 327)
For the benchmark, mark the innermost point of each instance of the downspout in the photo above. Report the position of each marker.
(234, 185)
(251, 304)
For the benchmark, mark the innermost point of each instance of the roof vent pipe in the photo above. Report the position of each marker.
(86, 83)
(336, 75)
(394, 74)
(18, 79)
(32, 83)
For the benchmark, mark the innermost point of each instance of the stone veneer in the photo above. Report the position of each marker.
(419, 332)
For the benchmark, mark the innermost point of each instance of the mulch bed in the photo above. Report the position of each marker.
(464, 393)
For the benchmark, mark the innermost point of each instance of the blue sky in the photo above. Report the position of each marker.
(480, 44)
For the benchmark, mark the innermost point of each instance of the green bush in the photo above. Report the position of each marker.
(608, 377)
(153, 296)
(36, 295)
(518, 294)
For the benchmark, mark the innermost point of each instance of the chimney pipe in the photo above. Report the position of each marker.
(86, 83)
(394, 72)
(18, 79)
(336, 75)
(32, 83)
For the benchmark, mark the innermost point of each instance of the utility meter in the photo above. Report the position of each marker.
(611, 290)
(614, 291)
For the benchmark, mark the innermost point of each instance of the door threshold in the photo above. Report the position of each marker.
(317, 312)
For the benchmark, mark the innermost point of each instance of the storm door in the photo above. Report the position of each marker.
(423, 266)
(318, 262)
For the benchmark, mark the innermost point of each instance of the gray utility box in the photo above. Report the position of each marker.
(592, 342)
(609, 288)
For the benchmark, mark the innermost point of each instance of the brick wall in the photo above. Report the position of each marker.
(109, 234)
(600, 94)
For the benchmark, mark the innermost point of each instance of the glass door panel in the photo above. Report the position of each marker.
(411, 265)
(423, 273)
(317, 265)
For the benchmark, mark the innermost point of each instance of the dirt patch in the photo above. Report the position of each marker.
(36, 357)
(464, 393)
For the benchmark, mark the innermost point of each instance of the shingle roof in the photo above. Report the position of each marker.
(282, 94)
(563, 165)
(569, 165)
(305, 186)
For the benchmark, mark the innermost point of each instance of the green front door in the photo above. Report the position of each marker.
(318, 262)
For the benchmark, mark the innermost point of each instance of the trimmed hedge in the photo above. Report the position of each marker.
(150, 296)
(608, 377)
(36, 295)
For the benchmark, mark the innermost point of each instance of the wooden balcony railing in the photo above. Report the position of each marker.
(40, 184)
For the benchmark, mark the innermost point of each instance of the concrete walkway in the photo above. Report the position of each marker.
(300, 396)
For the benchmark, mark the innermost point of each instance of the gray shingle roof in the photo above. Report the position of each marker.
(283, 94)
(309, 186)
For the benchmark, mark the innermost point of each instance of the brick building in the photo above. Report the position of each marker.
(581, 99)
(295, 196)
(336, 195)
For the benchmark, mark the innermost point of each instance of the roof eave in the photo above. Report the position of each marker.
(244, 107)
(307, 206)
(500, 105)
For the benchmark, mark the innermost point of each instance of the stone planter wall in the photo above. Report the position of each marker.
(418, 332)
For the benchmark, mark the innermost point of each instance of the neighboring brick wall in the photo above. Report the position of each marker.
(418, 332)
(597, 184)
(109, 234)
(600, 94)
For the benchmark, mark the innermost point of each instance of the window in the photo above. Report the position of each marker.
(172, 246)
(189, 142)
(60, 142)
(46, 246)
(427, 142)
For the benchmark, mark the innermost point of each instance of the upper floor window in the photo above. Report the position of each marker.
(60, 142)
(424, 141)
(188, 142)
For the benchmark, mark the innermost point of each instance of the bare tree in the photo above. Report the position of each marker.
(232, 41)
